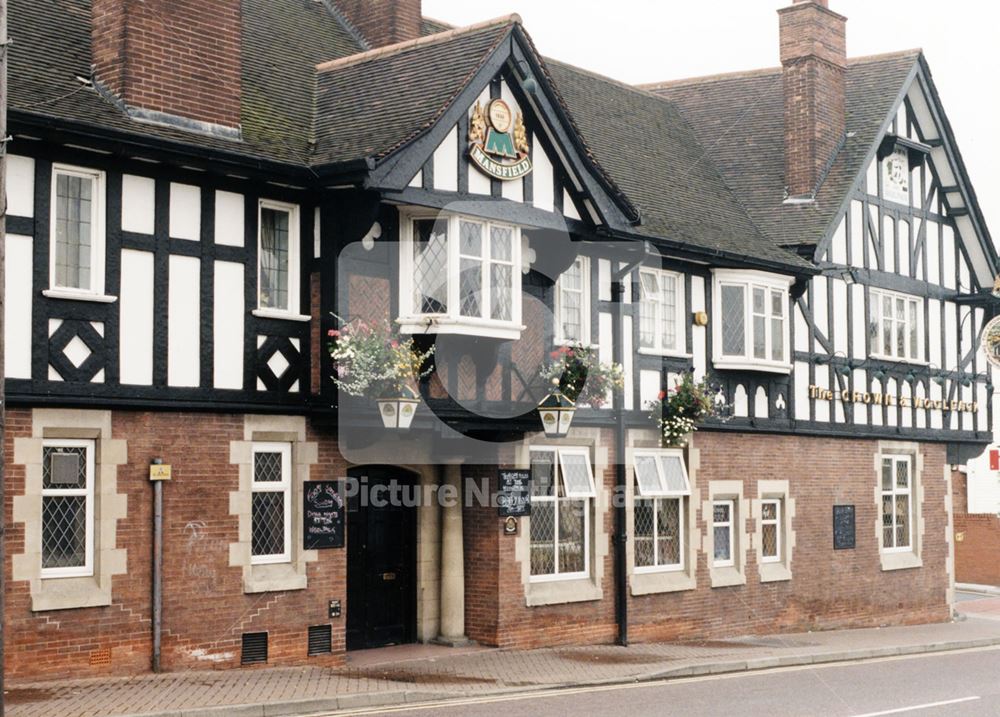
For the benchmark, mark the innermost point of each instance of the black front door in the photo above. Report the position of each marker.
(381, 562)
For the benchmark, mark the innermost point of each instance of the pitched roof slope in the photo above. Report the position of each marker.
(372, 103)
(652, 153)
(739, 118)
(282, 42)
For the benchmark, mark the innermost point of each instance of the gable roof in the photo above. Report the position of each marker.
(739, 118)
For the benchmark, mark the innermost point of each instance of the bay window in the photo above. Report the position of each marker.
(751, 328)
(895, 323)
(459, 274)
(662, 489)
(573, 303)
(562, 488)
(661, 308)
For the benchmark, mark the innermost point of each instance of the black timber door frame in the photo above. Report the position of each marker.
(381, 562)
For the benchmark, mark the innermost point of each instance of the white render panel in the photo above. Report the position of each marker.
(841, 325)
(699, 334)
(136, 332)
(629, 363)
(860, 410)
(948, 265)
(907, 411)
(446, 163)
(871, 176)
(801, 391)
(877, 410)
(418, 179)
(138, 204)
(888, 243)
(741, 407)
(872, 242)
(569, 208)
(229, 214)
(857, 234)
(604, 279)
(649, 387)
(760, 407)
(801, 329)
(937, 394)
(950, 326)
(934, 330)
(919, 255)
(479, 183)
(185, 211)
(184, 322)
(20, 186)
(838, 246)
(543, 189)
(859, 323)
(228, 325)
(823, 381)
(512, 190)
(903, 239)
(920, 392)
(17, 307)
(968, 395)
(819, 307)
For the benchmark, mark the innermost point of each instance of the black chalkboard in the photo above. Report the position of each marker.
(843, 527)
(323, 524)
(514, 497)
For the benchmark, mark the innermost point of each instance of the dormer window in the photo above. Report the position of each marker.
(459, 274)
(751, 321)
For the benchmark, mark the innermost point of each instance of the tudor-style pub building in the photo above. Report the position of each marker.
(198, 193)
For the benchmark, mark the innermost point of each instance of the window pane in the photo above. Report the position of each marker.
(430, 266)
(720, 536)
(64, 531)
(572, 317)
(267, 467)
(759, 336)
(571, 520)
(274, 258)
(758, 301)
(769, 511)
(644, 551)
(646, 475)
(501, 291)
(542, 538)
(777, 303)
(733, 318)
(74, 215)
(777, 339)
(900, 328)
(669, 531)
(502, 240)
(673, 473)
(542, 473)
(576, 473)
(64, 467)
(886, 474)
(668, 316)
(720, 513)
(769, 538)
(470, 238)
(903, 474)
(914, 323)
(470, 287)
(902, 521)
(874, 321)
(268, 523)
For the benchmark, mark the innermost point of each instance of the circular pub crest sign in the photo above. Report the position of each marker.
(498, 142)
(991, 341)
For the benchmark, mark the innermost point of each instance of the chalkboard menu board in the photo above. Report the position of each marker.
(323, 526)
(514, 498)
(843, 527)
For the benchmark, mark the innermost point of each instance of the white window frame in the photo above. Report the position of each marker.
(588, 498)
(658, 308)
(731, 524)
(893, 492)
(452, 321)
(282, 486)
(663, 492)
(87, 569)
(294, 268)
(777, 522)
(914, 310)
(748, 281)
(98, 238)
(585, 315)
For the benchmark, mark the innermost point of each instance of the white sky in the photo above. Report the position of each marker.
(649, 40)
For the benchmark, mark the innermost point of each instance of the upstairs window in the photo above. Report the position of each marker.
(895, 325)
(751, 325)
(573, 303)
(460, 275)
(278, 258)
(76, 251)
(660, 311)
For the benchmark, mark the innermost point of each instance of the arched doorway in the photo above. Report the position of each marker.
(381, 559)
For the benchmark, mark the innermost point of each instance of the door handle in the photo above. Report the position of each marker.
(388, 576)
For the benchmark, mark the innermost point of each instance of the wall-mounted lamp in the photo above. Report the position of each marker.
(939, 379)
(879, 374)
(848, 277)
(529, 84)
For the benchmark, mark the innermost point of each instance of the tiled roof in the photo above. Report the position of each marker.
(739, 118)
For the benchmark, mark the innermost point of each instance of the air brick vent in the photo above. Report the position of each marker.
(254, 648)
(320, 641)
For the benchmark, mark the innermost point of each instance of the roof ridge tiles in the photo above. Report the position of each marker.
(423, 41)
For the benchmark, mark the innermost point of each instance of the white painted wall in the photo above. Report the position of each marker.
(228, 318)
(446, 163)
(185, 211)
(138, 204)
(229, 218)
(17, 313)
(184, 322)
(20, 186)
(136, 329)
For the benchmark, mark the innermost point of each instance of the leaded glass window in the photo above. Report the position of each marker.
(770, 530)
(754, 319)
(561, 489)
(77, 241)
(662, 491)
(270, 521)
(67, 508)
(733, 320)
(895, 325)
(573, 309)
(430, 266)
(722, 532)
(277, 257)
(897, 504)
(659, 310)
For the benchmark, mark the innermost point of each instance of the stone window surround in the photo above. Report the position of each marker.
(908, 558)
(110, 506)
(663, 581)
(781, 569)
(734, 574)
(555, 592)
(270, 577)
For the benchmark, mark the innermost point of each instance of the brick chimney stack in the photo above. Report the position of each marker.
(384, 22)
(172, 61)
(814, 62)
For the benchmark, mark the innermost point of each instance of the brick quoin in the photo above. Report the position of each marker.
(179, 57)
(814, 60)
(384, 22)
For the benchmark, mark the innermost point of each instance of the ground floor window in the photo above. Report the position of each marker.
(723, 512)
(662, 489)
(271, 503)
(770, 530)
(897, 503)
(562, 487)
(67, 508)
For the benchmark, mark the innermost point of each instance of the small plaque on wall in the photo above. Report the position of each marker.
(843, 527)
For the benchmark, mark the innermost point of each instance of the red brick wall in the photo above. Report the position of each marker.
(181, 57)
(977, 553)
(384, 22)
(204, 607)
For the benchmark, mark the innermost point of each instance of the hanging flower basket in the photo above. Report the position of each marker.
(581, 376)
(372, 360)
(680, 409)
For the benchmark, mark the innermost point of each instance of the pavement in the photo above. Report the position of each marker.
(413, 674)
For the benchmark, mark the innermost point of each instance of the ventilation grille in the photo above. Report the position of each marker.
(320, 641)
(254, 648)
(100, 658)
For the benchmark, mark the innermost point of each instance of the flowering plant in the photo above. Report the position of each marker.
(581, 375)
(682, 407)
(371, 359)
